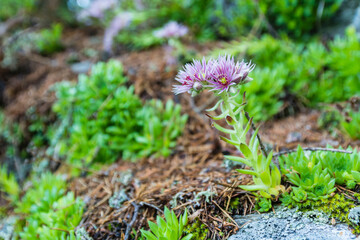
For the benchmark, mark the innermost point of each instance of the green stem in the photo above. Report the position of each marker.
(227, 106)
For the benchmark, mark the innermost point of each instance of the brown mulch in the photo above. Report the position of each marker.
(30, 85)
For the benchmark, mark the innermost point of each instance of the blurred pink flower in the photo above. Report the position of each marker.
(171, 30)
(120, 22)
(97, 9)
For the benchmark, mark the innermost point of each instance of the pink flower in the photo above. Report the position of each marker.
(121, 21)
(171, 29)
(217, 75)
(193, 76)
(227, 73)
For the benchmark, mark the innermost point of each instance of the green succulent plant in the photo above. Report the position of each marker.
(308, 174)
(345, 168)
(101, 119)
(171, 228)
(8, 184)
(48, 41)
(300, 19)
(47, 207)
(10, 8)
(351, 126)
(263, 204)
(162, 125)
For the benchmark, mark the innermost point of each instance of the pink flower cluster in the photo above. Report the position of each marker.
(216, 74)
(171, 30)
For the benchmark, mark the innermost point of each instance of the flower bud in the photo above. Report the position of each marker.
(198, 86)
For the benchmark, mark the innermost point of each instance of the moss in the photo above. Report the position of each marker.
(198, 230)
(337, 207)
(234, 204)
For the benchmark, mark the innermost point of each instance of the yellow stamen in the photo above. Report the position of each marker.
(223, 80)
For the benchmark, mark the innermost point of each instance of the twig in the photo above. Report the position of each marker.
(129, 226)
(245, 224)
(225, 185)
(257, 135)
(150, 205)
(312, 149)
(345, 189)
(225, 213)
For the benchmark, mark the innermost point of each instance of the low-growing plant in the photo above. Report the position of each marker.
(197, 229)
(307, 173)
(48, 41)
(171, 228)
(161, 127)
(8, 184)
(263, 204)
(345, 168)
(351, 124)
(46, 207)
(9, 8)
(138, 41)
(316, 173)
(263, 95)
(102, 119)
(11, 134)
(299, 19)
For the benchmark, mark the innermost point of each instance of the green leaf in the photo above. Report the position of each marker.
(154, 228)
(249, 172)
(215, 106)
(265, 177)
(221, 129)
(229, 141)
(253, 187)
(148, 235)
(246, 151)
(187, 237)
(268, 160)
(238, 159)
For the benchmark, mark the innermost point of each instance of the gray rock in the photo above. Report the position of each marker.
(348, 14)
(81, 234)
(354, 215)
(124, 177)
(7, 227)
(290, 225)
(293, 137)
(81, 67)
(118, 199)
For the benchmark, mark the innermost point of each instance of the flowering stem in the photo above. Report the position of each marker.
(223, 76)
